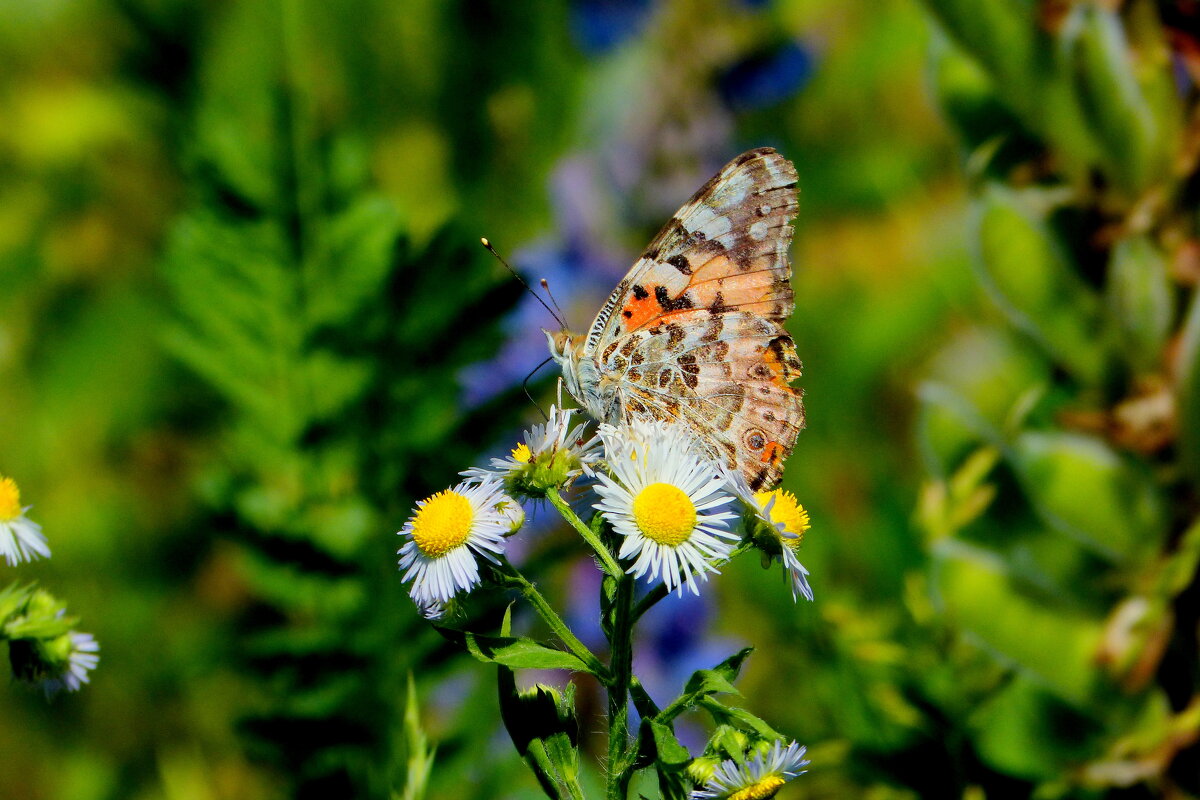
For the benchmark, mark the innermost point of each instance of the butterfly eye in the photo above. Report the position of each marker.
(562, 342)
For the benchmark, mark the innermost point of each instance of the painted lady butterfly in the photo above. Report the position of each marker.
(695, 331)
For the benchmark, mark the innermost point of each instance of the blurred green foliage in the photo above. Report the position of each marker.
(239, 283)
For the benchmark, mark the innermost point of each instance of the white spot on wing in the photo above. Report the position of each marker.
(758, 230)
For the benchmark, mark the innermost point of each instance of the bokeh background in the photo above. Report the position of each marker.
(245, 323)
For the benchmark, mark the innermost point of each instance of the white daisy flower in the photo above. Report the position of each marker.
(666, 498)
(550, 455)
(777, 526)
(758, 778)
(81, 658)
(21, 538)
(446, 532)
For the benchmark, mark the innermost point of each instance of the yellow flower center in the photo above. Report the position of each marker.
(759, 790)
(788, 511)
(521, 453)
(665, 514)
(10, 500)
(443, 523)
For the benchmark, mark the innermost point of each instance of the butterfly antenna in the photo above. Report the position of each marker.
(546, 288)
(525, 386)
(515, 274)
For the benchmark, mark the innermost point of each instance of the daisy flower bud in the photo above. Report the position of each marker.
(56, 665)
(550, 456)
(776, 523)
(21, 538)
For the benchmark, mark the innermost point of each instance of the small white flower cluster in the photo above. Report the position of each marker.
(757, 778)
(82, 659)
(669, 501)
(59, 664)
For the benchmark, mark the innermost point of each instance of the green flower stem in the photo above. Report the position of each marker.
(606, 560)
(621, 665)
(556, 623)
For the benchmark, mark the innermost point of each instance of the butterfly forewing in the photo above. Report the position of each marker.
(694, 331)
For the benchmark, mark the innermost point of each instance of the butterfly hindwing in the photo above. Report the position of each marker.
(727, 377)
(694, 331)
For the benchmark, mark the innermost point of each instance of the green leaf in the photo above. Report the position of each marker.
(668, 750)
(670, 758)
(1047, 638)
(12, 598)
(1083, 488)
(420, 754)
(1189, 390)
(515, 652)
(731, 667)
(739, 718)
(706, 682)
(1027, 68)
(977, 391)
(1006, 725)
(1140, 301)
(1030, 278)
(1112, 100)
(544, 729)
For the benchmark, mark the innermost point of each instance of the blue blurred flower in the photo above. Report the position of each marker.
(673, 640)
(766, 78)
(600, 25)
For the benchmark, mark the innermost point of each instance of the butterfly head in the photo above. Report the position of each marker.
(566, 349)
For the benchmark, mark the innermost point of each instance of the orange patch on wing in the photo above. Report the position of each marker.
(773, 454)
(779, 370)
(640, 310)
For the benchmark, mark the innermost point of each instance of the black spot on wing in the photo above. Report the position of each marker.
(665, 302)
(718, 305)
(759, 480)
(680, 263)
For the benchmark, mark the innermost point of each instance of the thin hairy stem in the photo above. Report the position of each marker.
(621, 666)
(606, 560)
(556, 623)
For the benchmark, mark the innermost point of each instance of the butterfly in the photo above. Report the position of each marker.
(694, 332)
